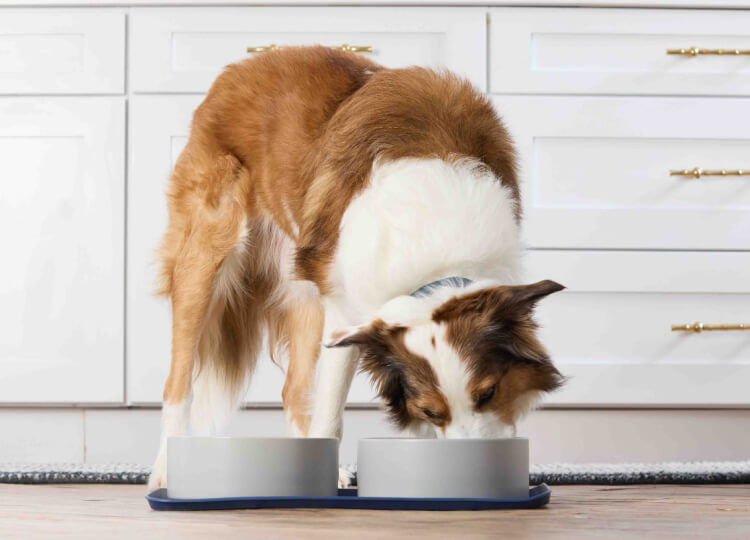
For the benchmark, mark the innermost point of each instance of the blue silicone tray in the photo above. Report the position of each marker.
(347, 498)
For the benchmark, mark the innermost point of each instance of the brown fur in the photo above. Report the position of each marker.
(303, 321)
(250, 141)
(493, 331)
(405, 380)
(412, 112)
(282, 143)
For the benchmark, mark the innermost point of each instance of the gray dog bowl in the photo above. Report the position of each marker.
(212, 467)
(444, 468)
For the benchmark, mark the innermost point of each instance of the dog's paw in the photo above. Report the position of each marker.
(345, 478)
(158, 477)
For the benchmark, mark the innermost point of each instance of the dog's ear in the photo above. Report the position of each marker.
(381, 357)
(345, 337)
(376, 339)
(519, 301)
(502, 303)
(496, 322)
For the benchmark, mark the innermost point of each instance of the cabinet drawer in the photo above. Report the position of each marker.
(596, 171)
(183, 50)
(619, 51)
(62, 52)
(611, 330)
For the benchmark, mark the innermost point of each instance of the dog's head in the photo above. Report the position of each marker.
(470, 370)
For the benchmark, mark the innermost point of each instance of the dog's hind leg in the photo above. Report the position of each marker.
(206, 225)
(301, 319)
(229, 343)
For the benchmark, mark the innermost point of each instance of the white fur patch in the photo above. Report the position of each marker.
(228, 280)
(453, 379)
(174, 422)
(214, 401)
(292, 429)
(421, 220)
(334, 373)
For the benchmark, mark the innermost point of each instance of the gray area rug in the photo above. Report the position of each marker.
(722, 472)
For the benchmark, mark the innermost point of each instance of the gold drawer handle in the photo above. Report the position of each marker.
(345, 47)
(697, 172)
(699, 327)
(695, 51)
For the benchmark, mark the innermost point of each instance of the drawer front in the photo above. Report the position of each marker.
(619, 51)
(62, 52)
(183, 50)
(611, 330)
(597, 171)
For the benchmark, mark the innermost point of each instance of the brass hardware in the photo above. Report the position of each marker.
(695, 51)
(697, 172)
(263, 48)
(354, 48)
(699, 327)
(345, 47)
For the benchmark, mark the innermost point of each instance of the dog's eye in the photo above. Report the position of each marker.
(431, 414)
(486, 396)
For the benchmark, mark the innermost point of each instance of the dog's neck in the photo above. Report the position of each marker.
(420, 220)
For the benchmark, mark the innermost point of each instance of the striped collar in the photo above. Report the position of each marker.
(452, 281)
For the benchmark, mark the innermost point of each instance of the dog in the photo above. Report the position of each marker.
(322, 199)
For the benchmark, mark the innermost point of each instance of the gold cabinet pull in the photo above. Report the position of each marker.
(697, 172)
(264, 48)
(344, 47)
(699, 327)
(696, 51)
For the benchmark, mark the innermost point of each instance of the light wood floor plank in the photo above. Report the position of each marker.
(617, 512)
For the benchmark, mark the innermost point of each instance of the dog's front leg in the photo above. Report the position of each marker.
(334, 374)
(336, 369)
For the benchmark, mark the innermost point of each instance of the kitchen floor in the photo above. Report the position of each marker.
(626, 512)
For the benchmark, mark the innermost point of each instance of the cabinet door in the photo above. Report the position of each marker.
(183, 50)
(159, 130)
(61, 228)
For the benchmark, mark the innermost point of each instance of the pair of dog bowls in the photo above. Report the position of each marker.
(226, 467)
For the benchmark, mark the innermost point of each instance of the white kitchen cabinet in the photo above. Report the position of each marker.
(158, 131)
(61, 228)
(600, 113)
(184, 50)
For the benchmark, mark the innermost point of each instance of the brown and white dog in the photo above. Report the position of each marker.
(322, 197)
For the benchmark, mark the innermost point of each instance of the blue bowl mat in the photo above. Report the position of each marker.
(347, 498)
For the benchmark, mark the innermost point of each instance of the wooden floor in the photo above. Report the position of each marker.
(626, 512)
